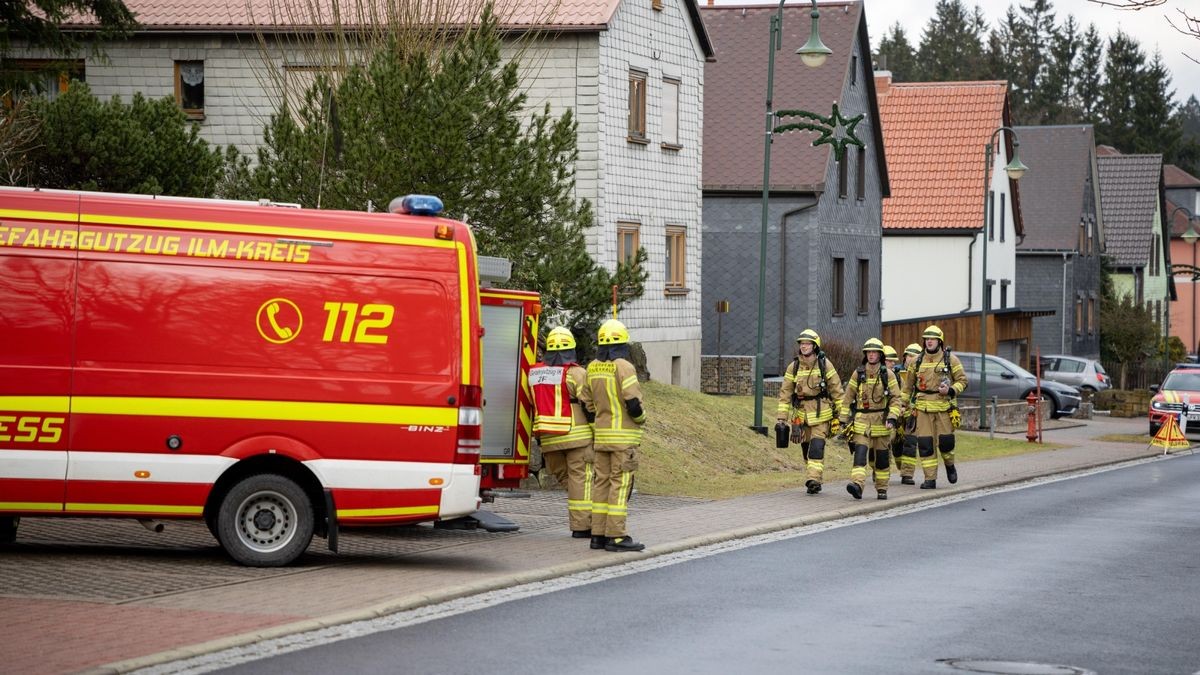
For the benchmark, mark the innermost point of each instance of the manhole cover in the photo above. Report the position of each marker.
(1013, 667)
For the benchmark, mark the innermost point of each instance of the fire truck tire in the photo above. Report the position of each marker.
(8, 529)
(266, 520)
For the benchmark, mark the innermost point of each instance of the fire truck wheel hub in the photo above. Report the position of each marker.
(266, 521)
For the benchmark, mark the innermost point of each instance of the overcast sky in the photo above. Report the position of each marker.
(1148, 26)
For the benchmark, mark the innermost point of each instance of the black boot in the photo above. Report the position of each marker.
(951, 474)
(625, 543)
(813, 486)
(881, 494)
(599, 541)
(907, 480)
(854, 489)
(580, 534)
(929, 485)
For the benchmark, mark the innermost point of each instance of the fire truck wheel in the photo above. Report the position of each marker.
(266, 520)
(8, 529)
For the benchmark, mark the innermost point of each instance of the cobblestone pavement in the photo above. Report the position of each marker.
(110, 596)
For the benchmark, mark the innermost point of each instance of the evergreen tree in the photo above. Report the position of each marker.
(1118, 125)
(35, 24)
(145, 146)
(1157, 127)
(1032, 40)
(1060, 100)
(451, 124)
(1089, 76)
(1001, 55)
(1188, 115)
(951, 47)
(895, 54)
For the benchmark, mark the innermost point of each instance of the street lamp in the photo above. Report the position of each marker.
(1190, 236)
(1015, 169)
(813, 54)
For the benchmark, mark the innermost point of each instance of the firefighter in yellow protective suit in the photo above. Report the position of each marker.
(934, 381)
(870, 410)
(619, 416)
(811, 398)
(906, 433)
(569, 456)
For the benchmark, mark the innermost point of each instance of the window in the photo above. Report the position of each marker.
(839, 286)
(189, 87)
(656, 5)
(860, 182)
(637, 105)
(1091, 322)
(991, 215)
(864, 286)
(45, 78)
(853, 70)
(1155, 266)
(676, 258)
(1004, 284)
(1082, 237)
(627, 242)
(670, 127)
(843, 175)
(1078, 316)
(1091, 245)
(1002, 224)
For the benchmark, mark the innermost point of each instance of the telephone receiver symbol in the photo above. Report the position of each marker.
(282, 331)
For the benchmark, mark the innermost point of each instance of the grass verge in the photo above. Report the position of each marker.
(699, 445)
(1144, 439)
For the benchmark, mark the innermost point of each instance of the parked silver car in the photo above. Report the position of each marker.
(1076, 371)
(1007, 380)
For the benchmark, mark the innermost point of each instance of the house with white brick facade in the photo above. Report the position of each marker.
(632, 72)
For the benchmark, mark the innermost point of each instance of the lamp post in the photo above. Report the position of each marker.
(813, 54)
(1015, 169)
(1190, 236)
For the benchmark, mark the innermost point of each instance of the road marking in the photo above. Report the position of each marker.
(227, 658)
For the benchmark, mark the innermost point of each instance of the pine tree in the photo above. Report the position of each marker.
(1060, 102)
(1089, 76)
(896, 55)
(1118, 124)
(1188, 115)
(951, 47)
(145, 146)
(451, 124)
(35, 24)
(1155, 122)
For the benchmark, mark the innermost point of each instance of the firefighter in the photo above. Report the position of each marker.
(870, 410)
(906, 431)
(568, 453)
(932, 385)
(896, 439)
(619, 416)
(811, 398)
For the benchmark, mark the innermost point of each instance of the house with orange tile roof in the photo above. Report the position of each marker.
(631, 71)
(940, 211)
(823, 238)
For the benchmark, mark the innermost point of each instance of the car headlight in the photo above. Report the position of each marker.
(1158, 405)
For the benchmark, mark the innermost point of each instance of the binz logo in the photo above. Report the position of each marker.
(420, 428)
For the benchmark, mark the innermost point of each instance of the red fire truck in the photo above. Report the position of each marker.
(274, 371)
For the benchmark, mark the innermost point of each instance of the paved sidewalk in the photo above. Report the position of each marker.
(108, 596)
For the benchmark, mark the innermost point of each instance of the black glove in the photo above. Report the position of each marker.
(891, 422)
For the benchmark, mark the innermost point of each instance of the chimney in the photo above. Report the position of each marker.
(883, 82)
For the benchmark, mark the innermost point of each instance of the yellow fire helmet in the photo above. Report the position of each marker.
(810, 335)
(914, 349)
(559, 339)
(612, 332)
(873, 345)
(889, 353)
(933, 332)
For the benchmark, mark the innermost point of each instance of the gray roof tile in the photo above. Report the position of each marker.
(1129, 187)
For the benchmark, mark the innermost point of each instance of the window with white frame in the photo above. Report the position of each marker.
(670, 110)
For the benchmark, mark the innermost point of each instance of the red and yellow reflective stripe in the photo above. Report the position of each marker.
(172, 509)
(392, 511)
(30, 506)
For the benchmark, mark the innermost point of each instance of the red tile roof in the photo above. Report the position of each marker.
(735, 87)
(1175, 177)
(935, 135)
(241, 14)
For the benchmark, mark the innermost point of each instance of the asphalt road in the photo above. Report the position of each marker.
(1097, 572)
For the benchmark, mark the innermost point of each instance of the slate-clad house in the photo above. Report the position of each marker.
(823, 249)
(632, 72)
(1133, 201)
(1058, 259)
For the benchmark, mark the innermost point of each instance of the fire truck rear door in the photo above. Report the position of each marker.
(501, 370)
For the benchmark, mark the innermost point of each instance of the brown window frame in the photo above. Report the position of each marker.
(1079, 319)
(860, 179)
(65, 70)
(843, 176)
(193, 113)
(676, 260)
(1091, 317)
(838, 286)
(638, 81)
(864, 286)
(624, 228)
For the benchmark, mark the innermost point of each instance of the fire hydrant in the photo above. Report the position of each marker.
(1031, 414)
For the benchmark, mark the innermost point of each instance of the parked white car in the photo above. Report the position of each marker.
(1081, 373)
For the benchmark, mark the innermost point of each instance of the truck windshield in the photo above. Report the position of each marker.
(1182, 382)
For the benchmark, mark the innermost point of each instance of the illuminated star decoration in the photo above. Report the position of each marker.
(828, 127)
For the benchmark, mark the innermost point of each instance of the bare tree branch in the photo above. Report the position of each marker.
(1133, 5)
